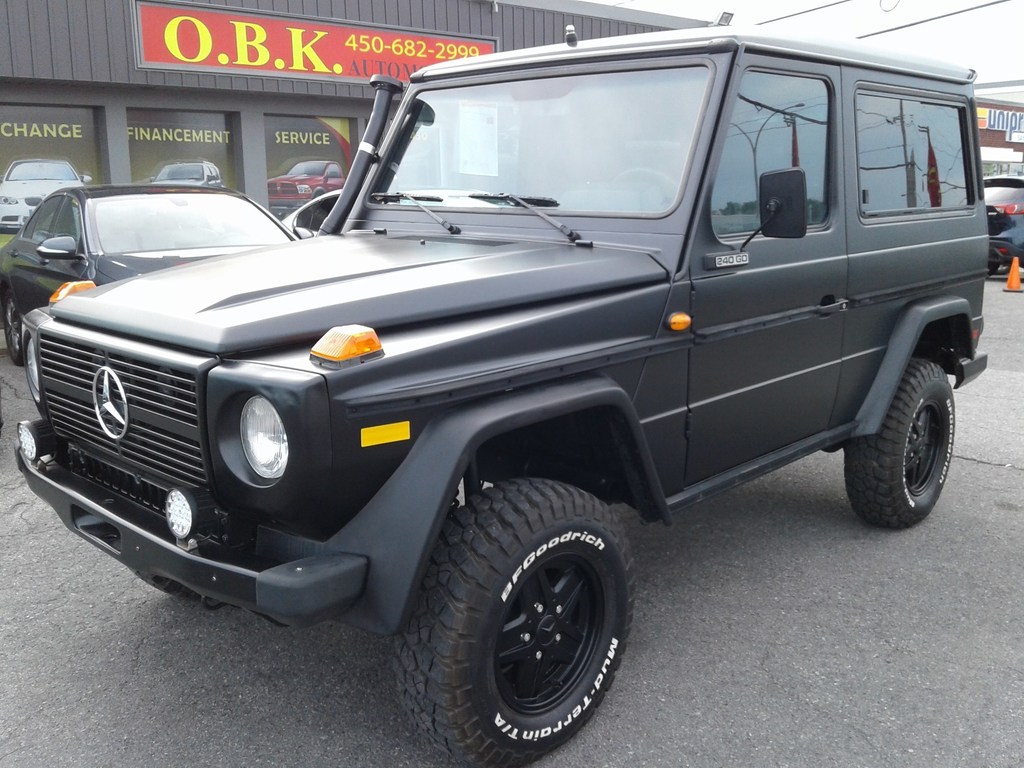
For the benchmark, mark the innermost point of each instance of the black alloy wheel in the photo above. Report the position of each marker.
(894, 478)
(521, 622)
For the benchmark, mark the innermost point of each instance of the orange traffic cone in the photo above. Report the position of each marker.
(1013, 279)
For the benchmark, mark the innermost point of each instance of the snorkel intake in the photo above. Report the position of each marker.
(386, 88)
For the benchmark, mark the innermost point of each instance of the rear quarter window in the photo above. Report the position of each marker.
(910, 155)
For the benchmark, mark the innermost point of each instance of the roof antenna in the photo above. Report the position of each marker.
(570, 36)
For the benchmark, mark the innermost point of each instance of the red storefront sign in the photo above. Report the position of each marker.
(191, 37)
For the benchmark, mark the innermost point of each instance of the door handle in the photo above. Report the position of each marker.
(830, 305)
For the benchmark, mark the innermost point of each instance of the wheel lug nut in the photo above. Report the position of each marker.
(558, 610)
(558, 638)
(526, 637)
(539, 655)
(539, 607)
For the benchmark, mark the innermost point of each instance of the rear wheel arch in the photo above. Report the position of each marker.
(938, 330)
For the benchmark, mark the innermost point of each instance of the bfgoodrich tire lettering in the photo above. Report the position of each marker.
(894, 478)
(521, 622)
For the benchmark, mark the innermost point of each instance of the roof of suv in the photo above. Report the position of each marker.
(706, 39)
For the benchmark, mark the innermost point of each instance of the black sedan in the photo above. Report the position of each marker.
(108, 233)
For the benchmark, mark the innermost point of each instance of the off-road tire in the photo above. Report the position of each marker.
(526, 567)
(894, 478)
(13, 330)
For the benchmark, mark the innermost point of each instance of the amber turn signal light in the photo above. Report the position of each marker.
(69, 288)
(679, 321)
(346, 344)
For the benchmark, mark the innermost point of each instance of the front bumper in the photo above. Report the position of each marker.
(299, 592)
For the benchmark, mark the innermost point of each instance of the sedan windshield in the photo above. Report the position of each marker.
(610, 142)
(40, 169)
(178, 222)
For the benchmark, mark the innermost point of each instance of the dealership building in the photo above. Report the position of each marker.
(265, 96)
(270, 96)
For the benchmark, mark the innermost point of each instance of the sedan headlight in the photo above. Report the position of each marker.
(4, 200)
(264, 440)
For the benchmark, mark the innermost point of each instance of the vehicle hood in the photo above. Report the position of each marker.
(119, 266)
(33, 187)
(289, 294)
(300, 179)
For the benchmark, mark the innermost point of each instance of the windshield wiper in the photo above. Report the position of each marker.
(393, 197)
(532, 204)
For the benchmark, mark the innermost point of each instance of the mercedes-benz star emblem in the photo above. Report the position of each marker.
(110, 403)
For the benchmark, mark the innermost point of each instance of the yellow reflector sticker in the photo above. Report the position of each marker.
(384, 433)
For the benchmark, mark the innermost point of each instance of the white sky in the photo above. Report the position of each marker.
(986, 39)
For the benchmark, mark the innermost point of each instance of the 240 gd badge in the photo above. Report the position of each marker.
(726, 260)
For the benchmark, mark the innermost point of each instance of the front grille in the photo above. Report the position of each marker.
(163, 435)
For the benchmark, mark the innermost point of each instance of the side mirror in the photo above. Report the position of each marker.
(783, 196)
(303, 233)
(62, 248)
(86, 178)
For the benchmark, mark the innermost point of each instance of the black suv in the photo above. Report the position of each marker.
(605, 278)
(1004, 196)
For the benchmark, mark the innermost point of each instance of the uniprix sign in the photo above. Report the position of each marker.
(193, 37)
(1012, 123)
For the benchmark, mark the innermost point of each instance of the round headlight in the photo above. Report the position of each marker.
(263, 438)
(179, 513)
(32, 367)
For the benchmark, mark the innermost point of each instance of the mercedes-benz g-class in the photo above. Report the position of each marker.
(566, 284)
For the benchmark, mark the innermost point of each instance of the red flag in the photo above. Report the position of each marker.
(934, 191)
(795, 146)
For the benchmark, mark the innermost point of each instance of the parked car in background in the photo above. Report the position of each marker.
(200, 173)
(1004, 199)
(303, 182)
(27, 182)
(108, 233)
(309, 217)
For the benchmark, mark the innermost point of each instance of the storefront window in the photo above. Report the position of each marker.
(306, 157)
(43, 149)
(190, 148)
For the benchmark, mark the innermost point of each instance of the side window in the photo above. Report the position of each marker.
(777, 121)
(41, 225)
(910, 155)
(68, 220)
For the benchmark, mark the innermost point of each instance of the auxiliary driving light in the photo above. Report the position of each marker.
(36, 439)
(189, 512)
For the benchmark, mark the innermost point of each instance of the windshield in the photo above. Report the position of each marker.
(55, 171)
(308, 168)
(179, 221)
(192, 172)
(610, 142)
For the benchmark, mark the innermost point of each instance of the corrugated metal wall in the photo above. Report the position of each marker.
(93, 41)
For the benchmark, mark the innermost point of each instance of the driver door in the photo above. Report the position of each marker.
(768, 326)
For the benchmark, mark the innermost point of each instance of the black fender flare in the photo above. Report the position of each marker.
(902, 342)
(399, 526)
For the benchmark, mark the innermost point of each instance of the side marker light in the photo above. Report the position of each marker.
(67, 289)
(345, 345)
(679, 321)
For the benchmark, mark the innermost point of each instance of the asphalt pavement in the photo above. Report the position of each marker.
(772, 628)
